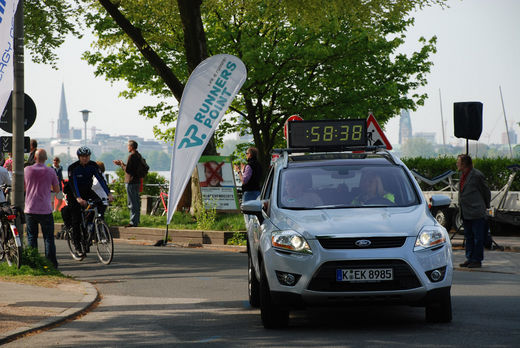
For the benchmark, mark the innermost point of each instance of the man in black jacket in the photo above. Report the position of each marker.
(79, 189)
(474, 199)
(33, 145)
(132, 182)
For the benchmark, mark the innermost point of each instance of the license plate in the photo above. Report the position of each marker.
(364, 274)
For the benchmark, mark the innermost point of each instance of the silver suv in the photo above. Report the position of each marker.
(341, 229)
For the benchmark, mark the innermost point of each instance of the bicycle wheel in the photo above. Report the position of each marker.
(13, 253)
(2, 250)
(155, 207)
(76, 253)
(104, 243)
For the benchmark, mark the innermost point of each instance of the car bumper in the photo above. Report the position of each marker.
(317, 285)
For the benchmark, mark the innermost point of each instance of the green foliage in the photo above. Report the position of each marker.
(119, 189)
(157, 160)
(418, 147)
(116, 215)
(205, 215)
(229, 222)
(333, 59)
(494, 169)
(32, 264)
(108, 159)
(239, 238)
(150, 187)
(46, 24)
(516, 151)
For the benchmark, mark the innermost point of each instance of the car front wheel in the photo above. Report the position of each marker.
(253, 286)
(438, 310)
(272, 316)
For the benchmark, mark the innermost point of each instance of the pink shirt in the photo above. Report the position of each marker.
(39, 180)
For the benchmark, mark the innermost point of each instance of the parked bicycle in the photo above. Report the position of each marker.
(10, 242)
(160, 205)
(94, 230)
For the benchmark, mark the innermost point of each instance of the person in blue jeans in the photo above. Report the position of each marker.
(474, 200)
(251, 176)
(132, 182)
(39, 180)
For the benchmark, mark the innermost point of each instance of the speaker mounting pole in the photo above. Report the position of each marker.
(505, 120)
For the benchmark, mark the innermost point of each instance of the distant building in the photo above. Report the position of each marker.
(405, 127)
(75, 133)
(512, 138)
(430, 137)
(63, 118)
(69, 138)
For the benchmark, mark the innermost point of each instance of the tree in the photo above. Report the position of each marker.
(66, 160)
(516, 151)
(418, 147)
(46, 24)
(340, 63)
(108, 159)
(157, 160)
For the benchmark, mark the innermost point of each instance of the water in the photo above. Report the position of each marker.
(112, 175)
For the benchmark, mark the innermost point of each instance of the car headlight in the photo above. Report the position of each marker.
(290, 241)
(429, 237)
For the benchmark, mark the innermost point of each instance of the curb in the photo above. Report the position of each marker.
(506, 248)
(90, 297)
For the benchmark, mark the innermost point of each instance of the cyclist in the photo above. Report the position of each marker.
(79, 190)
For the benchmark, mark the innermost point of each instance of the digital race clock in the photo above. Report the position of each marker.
(330, 133)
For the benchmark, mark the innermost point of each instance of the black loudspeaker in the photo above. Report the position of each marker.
(467, 118)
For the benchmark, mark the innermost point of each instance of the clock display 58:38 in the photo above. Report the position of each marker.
(327, 133)
(330, 133)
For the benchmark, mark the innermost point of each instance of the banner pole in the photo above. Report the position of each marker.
(18, 110)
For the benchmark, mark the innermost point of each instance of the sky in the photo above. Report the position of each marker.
(478, 50)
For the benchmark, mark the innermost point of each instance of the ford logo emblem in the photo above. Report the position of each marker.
(363, 243)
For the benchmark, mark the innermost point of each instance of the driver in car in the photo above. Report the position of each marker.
(372, 191)
(298, 191)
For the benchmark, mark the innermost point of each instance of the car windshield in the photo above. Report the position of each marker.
(345, 186)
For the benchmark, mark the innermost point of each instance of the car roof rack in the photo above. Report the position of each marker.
(308, 154)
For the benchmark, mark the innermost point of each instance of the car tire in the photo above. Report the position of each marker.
(457, 221)
(272, 316)
(253, 285)
(438, 310)
(443, 217)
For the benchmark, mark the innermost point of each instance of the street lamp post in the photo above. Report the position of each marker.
(85, 119)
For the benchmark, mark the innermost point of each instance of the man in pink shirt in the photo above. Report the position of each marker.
(39, 181)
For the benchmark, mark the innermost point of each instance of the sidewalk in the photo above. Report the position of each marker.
(27, 308)
(511, 244)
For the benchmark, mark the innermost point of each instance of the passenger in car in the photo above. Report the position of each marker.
(298, 191)
(373, 191)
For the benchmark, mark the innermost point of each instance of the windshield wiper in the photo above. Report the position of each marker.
(332, 206)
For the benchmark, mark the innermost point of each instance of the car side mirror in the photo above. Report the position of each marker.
(253, 208)
(440, 201)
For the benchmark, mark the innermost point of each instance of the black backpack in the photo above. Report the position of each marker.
(143, 168)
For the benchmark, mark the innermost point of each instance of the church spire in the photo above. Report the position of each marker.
(63, 118)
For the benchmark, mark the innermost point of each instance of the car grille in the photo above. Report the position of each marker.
(350, 243)
(325, 278)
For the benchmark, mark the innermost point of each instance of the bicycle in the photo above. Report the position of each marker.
(160, 205)
(10, 242)
(94, 230)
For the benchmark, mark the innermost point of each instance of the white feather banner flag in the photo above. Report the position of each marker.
(7, 11)
(207, 95)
